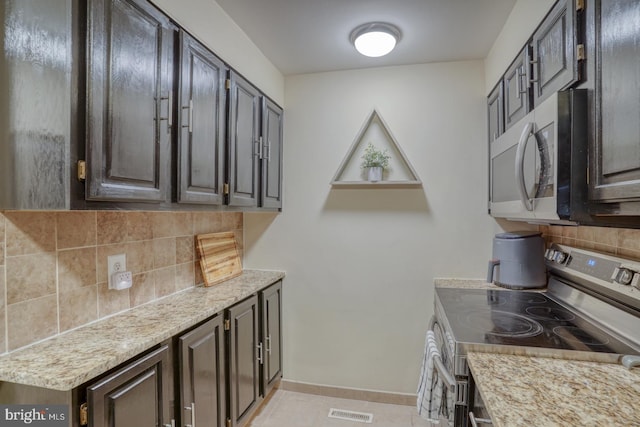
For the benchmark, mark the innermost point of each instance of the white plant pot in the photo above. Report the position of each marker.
(375, 174)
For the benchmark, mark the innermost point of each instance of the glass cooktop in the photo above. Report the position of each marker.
(523, 318)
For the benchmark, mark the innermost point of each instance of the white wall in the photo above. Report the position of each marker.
(360, 263)
(523, 20)
(206, 20)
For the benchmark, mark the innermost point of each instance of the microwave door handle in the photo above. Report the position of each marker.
(522, 146)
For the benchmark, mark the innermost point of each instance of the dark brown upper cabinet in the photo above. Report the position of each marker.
(201, 132)
(154, 120)
(255, 130)
(614, 159)
(555, 58)
(517, 101)
(129, 101)
(271, 161)
(244, 142)
(495, 112)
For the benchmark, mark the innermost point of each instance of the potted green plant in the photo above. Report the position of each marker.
(376, 161)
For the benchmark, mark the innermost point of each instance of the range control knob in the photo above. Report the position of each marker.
(624, 276)
(560, 257)
(549, 253)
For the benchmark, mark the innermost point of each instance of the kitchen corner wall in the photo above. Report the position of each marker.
(360, 263)
(53, 265)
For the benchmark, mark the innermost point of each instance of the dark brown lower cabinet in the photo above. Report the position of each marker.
(254, 352)
(202, 375)
(219, 372)
(245, 355)
(135, 396)
(270, 308)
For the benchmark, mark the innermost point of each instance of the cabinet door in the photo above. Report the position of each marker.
(554, 51)
(129, 118)
(271, 182)
(495, 112)
(202, 119)
(244, 143)
(135, 396)
(271, 306)
(202, 375)
(244, 352)
(516, 89)
(615, 158)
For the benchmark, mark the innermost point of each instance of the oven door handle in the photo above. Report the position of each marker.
(448, 379)
(520, 151)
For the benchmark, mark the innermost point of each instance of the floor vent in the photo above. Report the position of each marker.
(341, 414)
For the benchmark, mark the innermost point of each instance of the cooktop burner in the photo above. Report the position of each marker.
(576, 335)
(550, 313)
(524, 318)
(502, 324)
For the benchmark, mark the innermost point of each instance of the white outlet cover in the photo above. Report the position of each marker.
(116, 263)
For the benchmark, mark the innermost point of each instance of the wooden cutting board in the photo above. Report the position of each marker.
(219, 257)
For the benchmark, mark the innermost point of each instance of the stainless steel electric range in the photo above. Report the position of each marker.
(589, 311)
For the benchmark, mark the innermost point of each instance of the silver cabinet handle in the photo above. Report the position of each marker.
(259, 347)
(258, 152)
(475, 421)
(173, 424)
(535, 64)
(520, 74)
(170, 108)
(268, 339)
(522, 145)
(267, 149)
(191, 408)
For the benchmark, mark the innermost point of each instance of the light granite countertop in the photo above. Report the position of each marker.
(525, 391)
(70, 359)
(444, 282)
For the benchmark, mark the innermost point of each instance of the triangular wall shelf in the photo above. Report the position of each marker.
(400, 172)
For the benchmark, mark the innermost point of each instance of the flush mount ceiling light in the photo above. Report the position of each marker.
(375, 38)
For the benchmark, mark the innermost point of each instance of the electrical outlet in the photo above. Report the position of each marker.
(116, 264)
(121, 280)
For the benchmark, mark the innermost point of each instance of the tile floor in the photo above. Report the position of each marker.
(292, 409)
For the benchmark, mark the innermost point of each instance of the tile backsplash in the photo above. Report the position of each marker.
(53, 265)
(623, 242)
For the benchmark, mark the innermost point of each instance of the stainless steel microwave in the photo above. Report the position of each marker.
(538, 167)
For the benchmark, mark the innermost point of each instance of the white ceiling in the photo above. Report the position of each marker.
(305, 36)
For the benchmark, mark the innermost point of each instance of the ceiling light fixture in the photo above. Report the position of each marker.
(375, 38)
